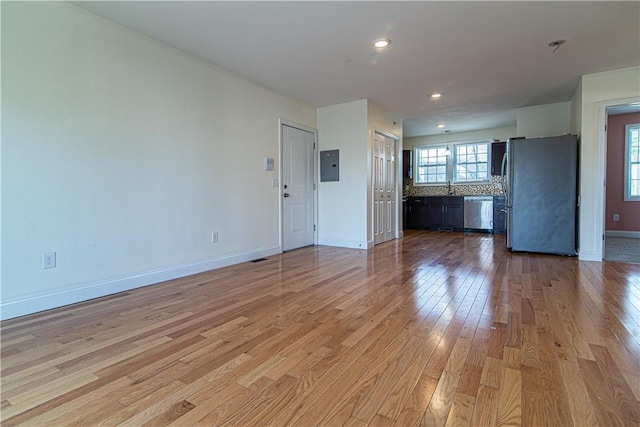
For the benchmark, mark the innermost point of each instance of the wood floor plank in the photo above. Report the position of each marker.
(510, 399)
(461, 411)
(579, 401)
(440, 404)
(625, 400)
(486, 407)
(532, 397)
(556, 399)
(432, 329)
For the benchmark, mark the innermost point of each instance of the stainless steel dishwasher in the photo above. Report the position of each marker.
(478, 212)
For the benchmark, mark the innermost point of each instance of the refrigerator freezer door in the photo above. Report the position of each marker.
(543, 196)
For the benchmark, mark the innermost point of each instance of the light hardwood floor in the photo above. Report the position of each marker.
(432, 329)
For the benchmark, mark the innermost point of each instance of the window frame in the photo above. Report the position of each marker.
(416, 172)
(454, 175)
(628, 129)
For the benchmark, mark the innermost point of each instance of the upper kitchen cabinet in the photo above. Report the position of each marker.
(407, 164)
(497, 151)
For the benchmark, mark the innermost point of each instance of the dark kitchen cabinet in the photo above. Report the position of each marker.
(435, 210)
(497, 151)
(445, 213)
(417, 212)
(454, 213)
(436, 213)
(407, 164)
(499, 216)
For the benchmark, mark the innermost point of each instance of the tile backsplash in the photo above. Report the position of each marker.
(488, 189)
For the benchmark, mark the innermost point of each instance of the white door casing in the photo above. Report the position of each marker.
(390, 188)
(297, 187)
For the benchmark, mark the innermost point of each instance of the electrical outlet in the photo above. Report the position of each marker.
(616, 217)
(49, 260)
(214, 237)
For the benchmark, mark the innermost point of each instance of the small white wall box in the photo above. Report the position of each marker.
(330, 165)
(268, 163)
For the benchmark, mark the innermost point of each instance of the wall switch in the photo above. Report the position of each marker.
(49, 260)
(214, 237)
(616, 217)
(274, 182)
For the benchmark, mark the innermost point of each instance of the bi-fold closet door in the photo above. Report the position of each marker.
(384, 188)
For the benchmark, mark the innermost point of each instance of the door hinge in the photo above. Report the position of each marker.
(314, 187)
(605, 128)
(314, 145)
(314, 227)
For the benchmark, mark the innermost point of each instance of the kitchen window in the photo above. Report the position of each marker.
(471, 162)
(432, 165)
(632, 162)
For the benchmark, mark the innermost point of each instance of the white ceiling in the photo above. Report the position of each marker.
(488, 58)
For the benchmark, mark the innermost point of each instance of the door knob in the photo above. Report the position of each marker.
(286, 194)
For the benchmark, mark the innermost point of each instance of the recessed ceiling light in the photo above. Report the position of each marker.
(436, 95)
(381, 43)
(440, 125)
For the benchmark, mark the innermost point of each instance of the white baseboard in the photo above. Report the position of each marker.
(353, 244)
(589, 256)
(629, 234)
(34, 304)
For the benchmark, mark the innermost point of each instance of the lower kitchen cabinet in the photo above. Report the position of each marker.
(454, 213)
(446, 212)
(436, 213)
(417, 212)
(499, 216)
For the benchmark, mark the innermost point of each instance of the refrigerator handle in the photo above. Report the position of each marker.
(503, 173)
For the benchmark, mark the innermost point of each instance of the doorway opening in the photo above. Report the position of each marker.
(621, 225)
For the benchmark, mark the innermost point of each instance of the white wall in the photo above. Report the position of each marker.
(576, 111)
(544, 120)
(501, 133)
(596, 89)
(342, 205)
(345, 208)
(123, 155)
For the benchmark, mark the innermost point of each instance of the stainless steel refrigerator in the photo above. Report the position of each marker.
(541, 182)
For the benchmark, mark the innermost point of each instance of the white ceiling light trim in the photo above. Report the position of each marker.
(381, 43)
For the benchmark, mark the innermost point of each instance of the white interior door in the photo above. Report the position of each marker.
(390, 188)
(298, 202)
(384, 188)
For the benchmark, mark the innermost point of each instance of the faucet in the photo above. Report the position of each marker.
(449, 189)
